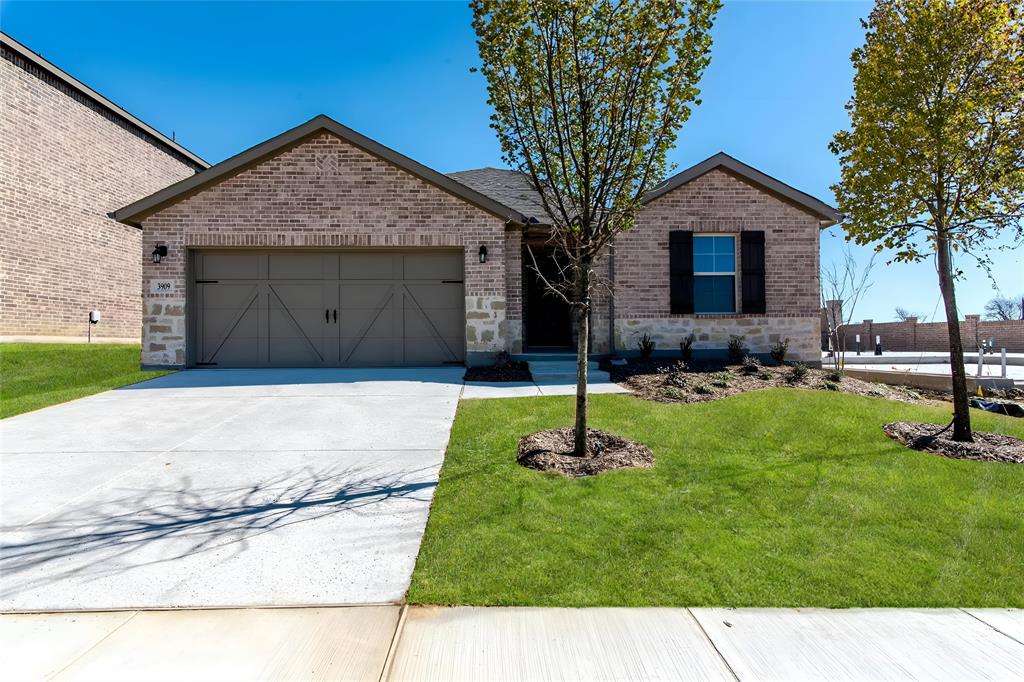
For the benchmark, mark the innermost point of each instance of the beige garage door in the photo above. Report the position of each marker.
(327, 309)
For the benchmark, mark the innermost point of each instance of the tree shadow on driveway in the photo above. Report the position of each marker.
(158, 525)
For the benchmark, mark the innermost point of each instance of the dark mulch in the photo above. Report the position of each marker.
(513, 370)
(552, 450)
(670, 381)
(990, 447)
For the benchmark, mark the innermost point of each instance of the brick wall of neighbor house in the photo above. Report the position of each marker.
(65, 162)
(323, 193)
(911, 335)
(717, 202)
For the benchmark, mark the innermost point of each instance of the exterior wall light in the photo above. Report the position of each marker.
(483, 253)
(159, 252)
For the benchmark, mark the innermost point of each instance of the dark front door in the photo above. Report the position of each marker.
(548, 317)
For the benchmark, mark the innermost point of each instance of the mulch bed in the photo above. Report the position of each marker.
(552, 450)
(669, 381)
(989, 447)
(512, 370)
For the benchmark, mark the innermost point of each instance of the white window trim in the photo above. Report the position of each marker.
(733, 274)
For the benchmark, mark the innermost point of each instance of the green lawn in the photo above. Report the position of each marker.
(780, 497)
(34, 375)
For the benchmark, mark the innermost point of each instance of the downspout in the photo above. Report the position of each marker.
(611, 297)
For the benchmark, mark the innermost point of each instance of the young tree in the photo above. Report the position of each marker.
(1001, 308)
(843, 283)
(588, 97)
(934, 161)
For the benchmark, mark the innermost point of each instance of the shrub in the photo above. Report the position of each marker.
(673, 393)
(686, 347)
(703, 389)
(736, 348)
(502, 359)
(751, 365)
(721, 379)
(831, 386)
(646, 345)
(675, 374)
(765, 376)
(835, 376)
(798, 372)
(778, 351)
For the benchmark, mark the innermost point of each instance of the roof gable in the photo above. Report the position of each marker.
(135, 212)
(514, 188)
(825, 213)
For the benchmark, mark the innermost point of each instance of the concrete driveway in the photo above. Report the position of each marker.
(224, 488)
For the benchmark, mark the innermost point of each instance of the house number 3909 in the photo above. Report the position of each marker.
(161, 287)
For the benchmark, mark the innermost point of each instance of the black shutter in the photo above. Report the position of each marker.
(680, 265)
(752, 263)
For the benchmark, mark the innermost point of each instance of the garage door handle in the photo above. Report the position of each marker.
(327, 315)
(335, 316)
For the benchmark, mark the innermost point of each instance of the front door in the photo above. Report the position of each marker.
(548, 318)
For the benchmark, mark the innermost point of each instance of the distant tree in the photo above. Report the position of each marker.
(902, 315)
(934, 161)
(1002, 308)
(843, 284)
(588, 97)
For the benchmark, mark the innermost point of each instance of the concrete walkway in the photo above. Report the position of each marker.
(224, 488)
(466, 643)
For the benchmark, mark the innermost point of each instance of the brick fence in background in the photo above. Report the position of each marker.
(929, 336)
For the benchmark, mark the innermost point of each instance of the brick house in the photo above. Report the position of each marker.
(68, 157)
(321, 247)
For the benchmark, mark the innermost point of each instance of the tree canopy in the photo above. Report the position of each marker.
(937, 127)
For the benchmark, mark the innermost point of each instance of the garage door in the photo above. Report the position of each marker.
(337, 309)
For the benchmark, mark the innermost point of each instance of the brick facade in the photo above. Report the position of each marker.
(65, 163)
(325, 193)
(718, 202)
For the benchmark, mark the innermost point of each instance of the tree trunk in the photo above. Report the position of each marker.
(961, 410)
(582, 310)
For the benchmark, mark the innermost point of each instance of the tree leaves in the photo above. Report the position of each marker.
(936, 143)
(588, 97)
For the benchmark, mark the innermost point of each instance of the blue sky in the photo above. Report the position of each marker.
(226, 76)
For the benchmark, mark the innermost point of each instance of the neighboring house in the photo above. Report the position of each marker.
(321, 247)
(68, 157)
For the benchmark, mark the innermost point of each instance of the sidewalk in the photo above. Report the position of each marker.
(470, 643)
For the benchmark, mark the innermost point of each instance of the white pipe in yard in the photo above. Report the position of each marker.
(1004, 364)
(981, 359)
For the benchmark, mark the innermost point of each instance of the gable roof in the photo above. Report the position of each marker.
(514, 188)
(825, 213)
(33, 58)
(134, 213)
(510, 187)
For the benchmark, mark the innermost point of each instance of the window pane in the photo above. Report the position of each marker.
(724, 244)
(703, 244)
(703, 263)
(725, 263)
(714, 294)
